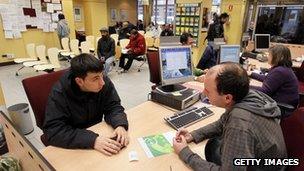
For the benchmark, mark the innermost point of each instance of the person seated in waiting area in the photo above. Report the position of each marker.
(208, 59)
(167, 31)
(80, 99)
(136, 47)
(124, 32)
(248, 129)
(280, 83)
(186, 39)
(106, 48)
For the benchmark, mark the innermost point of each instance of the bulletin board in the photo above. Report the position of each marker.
(18, 16)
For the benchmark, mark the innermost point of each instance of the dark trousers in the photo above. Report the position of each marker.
(130, 57)
(212, 150)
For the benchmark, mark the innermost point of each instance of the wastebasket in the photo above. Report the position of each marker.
(20, 116)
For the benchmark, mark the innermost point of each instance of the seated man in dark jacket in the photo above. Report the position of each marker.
(249, 128)
(106, 48)
(208, 59)
(136, 47)
(80, 99)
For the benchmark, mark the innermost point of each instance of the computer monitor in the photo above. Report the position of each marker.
(175, 64)
(229, 53)
(261, 42)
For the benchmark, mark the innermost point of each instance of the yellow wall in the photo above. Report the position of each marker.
(79, 25)
(95, 12)
(233, 31)
(129, 5)
(68, 11)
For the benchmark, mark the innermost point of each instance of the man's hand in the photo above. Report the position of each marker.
(201, 78)
(185, 133)
(122, 136)
(107, 146)
(179, 144)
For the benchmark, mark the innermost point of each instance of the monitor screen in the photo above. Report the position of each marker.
(261, 41)
(175, 64)
(230, 53)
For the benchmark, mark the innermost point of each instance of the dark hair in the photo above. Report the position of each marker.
(61, 16)
(84, 63)
(134, 31)
(232, 79)
(224, 15)
(281, 56)
(184, 37)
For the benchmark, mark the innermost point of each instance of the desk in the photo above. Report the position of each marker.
(145, 119)
(259, 64)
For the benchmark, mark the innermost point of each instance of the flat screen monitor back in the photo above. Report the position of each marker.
(229, 53)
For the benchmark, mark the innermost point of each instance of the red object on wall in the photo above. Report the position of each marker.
(230, 7)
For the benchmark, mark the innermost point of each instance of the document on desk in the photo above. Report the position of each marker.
(157, 145)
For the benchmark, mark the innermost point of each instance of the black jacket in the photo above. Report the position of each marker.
(216, 30)
(70, 111)
(208, 58)
(106, 47)
(167, 33)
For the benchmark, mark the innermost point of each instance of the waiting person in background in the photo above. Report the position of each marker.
(216, 29)
(167, 31)
(186, 39)
(248, 129)
(208, 58)
(150, 27)
(281, 82)
(63, 29)
(80, 99)
(140, 25)
(124, 32)
(136, 47)
(106, 49)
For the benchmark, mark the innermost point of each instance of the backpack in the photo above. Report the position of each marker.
(215, 30)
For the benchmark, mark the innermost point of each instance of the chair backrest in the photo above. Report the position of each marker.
(149, 41)
(53, 56)
(91, 40)
(30, 50)
(74, 46)
(156, 42)
(41, 54)
(85, 48)
(38, 95)
(65, 43)
(154, 67)
(149, 34)
(115, 37)
(293, 131)
(123, 43)
(141, 32)
(117, 52)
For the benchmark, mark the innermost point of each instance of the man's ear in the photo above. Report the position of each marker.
(79, 81)
(229, 98)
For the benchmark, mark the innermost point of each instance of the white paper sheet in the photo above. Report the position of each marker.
(7, 25)
(49, 8)
(8, 34)
(56, 1)
(55, 17)
(57, 7)
(17, 34)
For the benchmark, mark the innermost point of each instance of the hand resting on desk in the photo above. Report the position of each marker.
(110, 146)
(181, 139)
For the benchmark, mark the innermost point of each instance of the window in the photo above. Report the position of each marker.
(140, 10)
(163, 11)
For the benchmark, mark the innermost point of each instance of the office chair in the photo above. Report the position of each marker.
(293, 131)
(154, 68)
(115, 37)
(74, 48)
(30, 50)
(91, 41)
(37, 89)
(85, 47)
(54, 62)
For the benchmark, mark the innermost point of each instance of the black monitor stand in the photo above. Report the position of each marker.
(172, 88)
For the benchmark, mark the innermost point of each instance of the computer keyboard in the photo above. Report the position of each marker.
(188, 117)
